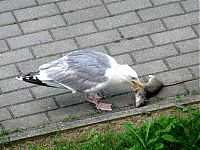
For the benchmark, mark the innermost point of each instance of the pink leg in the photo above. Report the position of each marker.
(94, 98)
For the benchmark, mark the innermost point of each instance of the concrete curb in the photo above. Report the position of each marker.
(61, 126)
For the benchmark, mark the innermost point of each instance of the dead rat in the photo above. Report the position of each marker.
(151, 88)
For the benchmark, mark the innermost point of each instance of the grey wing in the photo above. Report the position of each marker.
(79, 70)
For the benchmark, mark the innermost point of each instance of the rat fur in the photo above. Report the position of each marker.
(152, 87)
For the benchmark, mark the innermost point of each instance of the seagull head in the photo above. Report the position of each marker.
(131, 76)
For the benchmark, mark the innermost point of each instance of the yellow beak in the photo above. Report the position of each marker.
(137, 85)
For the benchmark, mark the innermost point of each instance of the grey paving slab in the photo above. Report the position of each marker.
(142, 29)
(42, 24)
(8, 5)
(7, 18)
(36, 12)
(175, 75)
(33, 65)
(97, 48)
(72, 112)
(182, 20)
(173, 35)
(191, 5)
(127, 5)
(115, 90)
(72, 5)
(189, 45)
(15, 56)
(54, 48)
(15, 97)
(109, 1)
(86, 14)
(26, 122)
(161, 11)
(69, 99)
(120, 101)
(171, 91)
(100, 48)
(12, 84)
(73, 30)
(196, 28)
(3, 46)
(98, 38)
(4, 114)
(29, 39)
(40, 91)
(195, 70)
(193, 85)
(150, 67)
(124, 59)
(33, 107)
(129, 45)
(117, 21)
(160, 2)
(46, 1)
(8, 71)
(9, 31)
(183, 60)
(155, 53)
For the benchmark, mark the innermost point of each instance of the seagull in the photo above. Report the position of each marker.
(84, 71)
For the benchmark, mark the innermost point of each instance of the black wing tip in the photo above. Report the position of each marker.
(32, 79)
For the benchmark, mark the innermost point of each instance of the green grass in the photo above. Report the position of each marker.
(180, 96)
(70, 118)
(166, 132)
(3, 137)
(196, 91)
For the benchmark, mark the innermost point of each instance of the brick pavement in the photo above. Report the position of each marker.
(158, 37)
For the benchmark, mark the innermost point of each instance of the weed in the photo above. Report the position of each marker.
(145, 113)
(130, 38)
(5, 132)
(159, 98)
(4, 137)
(18, 130)
(114, 106)
(70, 118)
(196, 91)
(180, 96)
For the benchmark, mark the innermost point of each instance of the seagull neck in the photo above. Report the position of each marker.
(121, 68)
(121, 71)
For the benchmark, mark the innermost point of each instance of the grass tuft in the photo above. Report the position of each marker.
(180, 96)
(196, 91)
